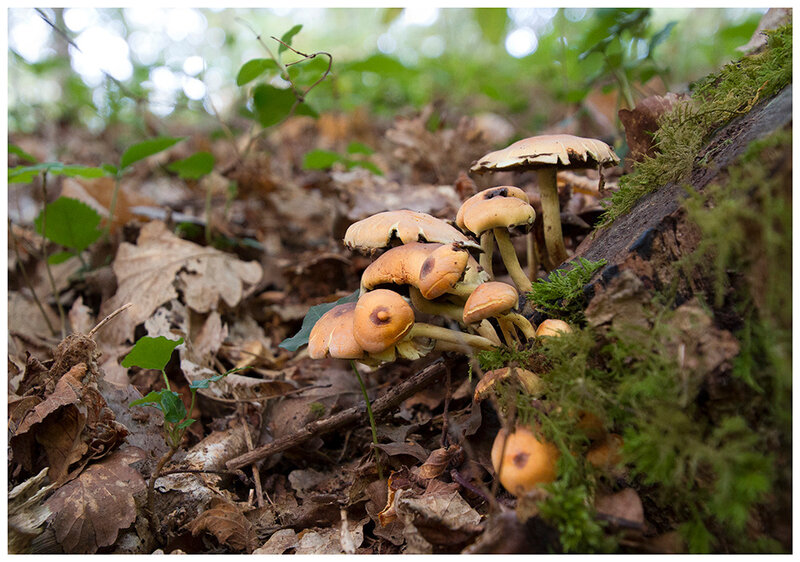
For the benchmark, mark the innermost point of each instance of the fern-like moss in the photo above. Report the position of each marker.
(561, 295)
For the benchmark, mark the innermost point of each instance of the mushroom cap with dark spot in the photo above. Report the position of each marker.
(499, 207)
(382, 318)
(562, 151)
(441, 270)
(526, 461)
(488, 300)
(377, 231)
(399, 265)
(333, 335)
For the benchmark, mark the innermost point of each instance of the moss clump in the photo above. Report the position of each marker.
(715, 100)
(561, 295)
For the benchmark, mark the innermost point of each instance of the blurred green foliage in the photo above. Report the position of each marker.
(460, 57)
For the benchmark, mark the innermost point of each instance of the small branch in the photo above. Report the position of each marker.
(151, 489)
(108, 318)
(351, 416)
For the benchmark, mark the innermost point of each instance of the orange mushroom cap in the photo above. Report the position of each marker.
(381, 319)
(526, 461)
(490, 299)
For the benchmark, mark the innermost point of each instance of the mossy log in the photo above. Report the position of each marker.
(642, 248)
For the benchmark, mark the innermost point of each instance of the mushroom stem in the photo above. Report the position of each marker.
(532, 255)
(485, 259)
(452, 311)
(522, 323)
(422, 330)
(511, 262)
(509, 335)
(551, 215)
(485, 329)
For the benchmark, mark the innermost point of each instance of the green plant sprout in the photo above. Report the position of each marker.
(193, 168)
(324, 159)
(155, 353)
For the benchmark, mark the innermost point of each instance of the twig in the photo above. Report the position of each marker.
(108, 318)
(27, 279)
(351, 416)
(444, 440)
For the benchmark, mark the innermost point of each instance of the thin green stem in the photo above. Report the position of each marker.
(50, 277)
(371, 419)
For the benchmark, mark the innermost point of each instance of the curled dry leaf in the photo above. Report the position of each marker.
(432, 520)
(151, 272)
(437, 461)
(228, 525)
(90, 511)
(641, 123)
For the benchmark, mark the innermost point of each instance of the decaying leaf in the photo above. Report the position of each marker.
(642, 121)
(151, 272)
(229, 526)
(436, 520)
(90, 511)
(437, 462)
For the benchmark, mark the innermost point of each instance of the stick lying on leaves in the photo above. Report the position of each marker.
(348, 417)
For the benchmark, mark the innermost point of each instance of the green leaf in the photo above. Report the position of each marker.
(144, 149)
(194, 167)
(305, 109)
(151, 353)
(59, 257)
(288, 36)
(660, 37)
(152, 399)
(110, 169)
(321, 159)
(390, 14)
(492, 22)
(185, 423)
(272, 104)
(25, 174)
(314, 313)
(379, 64)
(204, 383)
(172, 406)
(254, 68)
(14, 149)
(369, 166)
(359, 148)
(69, 222)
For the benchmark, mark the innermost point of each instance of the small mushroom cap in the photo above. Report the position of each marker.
(400, 265)
(563, 151)
(606, 453)
(377, 231)
(382, 318)
(552, 327)
(490, 299)
(499, 207)
(441, 270)
(333, 334)
(529, 380)
(527, 462)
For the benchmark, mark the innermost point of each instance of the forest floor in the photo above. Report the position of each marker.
(281, 457)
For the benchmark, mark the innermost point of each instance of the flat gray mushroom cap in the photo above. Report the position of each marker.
(376, 232)
(563, 151)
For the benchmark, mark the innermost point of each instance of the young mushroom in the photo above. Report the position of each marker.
(384, 322)
(494, 299)
(547, 154)
(522, 461)
(528, 380)
(491, 213)
(552, 328)
(379, 230)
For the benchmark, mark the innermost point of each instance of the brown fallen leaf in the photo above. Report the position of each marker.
(641, 123)
(152, 272)
(90, 511)
(228, 525)
(438, 460)
(622, 506)
(436, 521)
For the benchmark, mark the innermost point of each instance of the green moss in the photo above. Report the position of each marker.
(561, 295)
(715, 101)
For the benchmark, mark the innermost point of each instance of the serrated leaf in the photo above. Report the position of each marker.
(359, 148)
(492, 22)
(272, 105)
(194, 167)
(254, 68)
(172, 406)
(151, 353)
(144, 149)
(69, 222)
(314, 313)
(288, 36)
(321, 159)
(14, 149)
